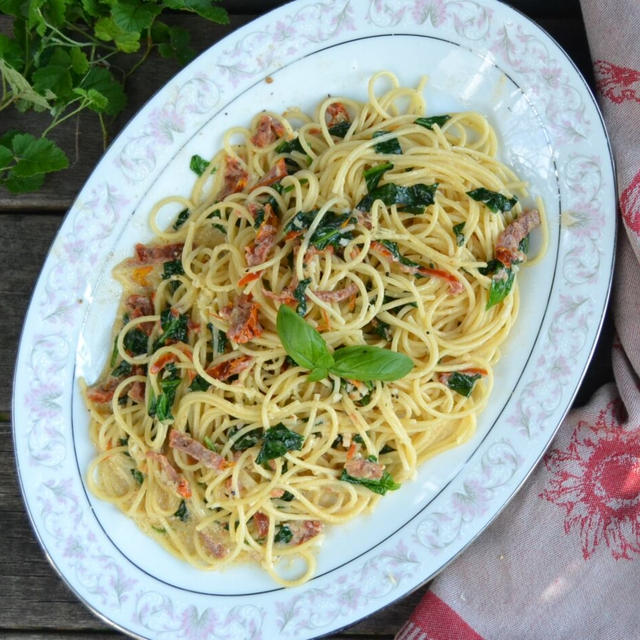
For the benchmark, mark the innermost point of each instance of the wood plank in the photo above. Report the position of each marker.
(26, 240)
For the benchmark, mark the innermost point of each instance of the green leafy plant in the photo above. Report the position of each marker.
(357, 362)
(66, 57)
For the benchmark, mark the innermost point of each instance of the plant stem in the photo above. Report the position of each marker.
(56, 121)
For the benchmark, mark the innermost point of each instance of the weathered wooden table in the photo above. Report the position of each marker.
(35, 603)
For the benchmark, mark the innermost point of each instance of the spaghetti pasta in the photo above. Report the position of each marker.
(378, 226)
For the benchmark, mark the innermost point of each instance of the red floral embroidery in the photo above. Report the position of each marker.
(630, 204)
(617, 83)
(597, 482)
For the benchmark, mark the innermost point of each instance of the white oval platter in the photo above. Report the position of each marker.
(478, 55)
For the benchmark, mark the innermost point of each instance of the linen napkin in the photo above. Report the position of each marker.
(563, 560)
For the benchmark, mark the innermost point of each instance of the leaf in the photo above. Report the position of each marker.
(133, 16)
(174, 327)
(102, 81)
(11, 52)
(198, 164)
(135, 342)
(172, 268)
(139, 477)
(79, 61)
(300, 295)
(283, 534)
(301, 341)
(501, 285)
(248, 440)
(56, 79)
(183, 216)
(6, 157)
(173, 42)
(11, 7)
(457, 230)
(495, 201)
(414, 198)
(428, 123)
(36, 156)
(381, 486)
(126, 41)
(182, 513)
(462, 383)
(22, 89)
(390, 146)
(372, 175)
(340, 129)
(23, 185)
(203, 8)
(365, 362)
(123, 369)
(199, 384)
(95, 100)
(288, 146)
(277, 441)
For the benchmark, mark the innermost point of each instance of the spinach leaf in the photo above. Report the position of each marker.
(428, 123)
(259, 219)
(391, 146)
(283, 535)
(135, 342)
(299, 294)
(373, 174)
(287, 146)
(198, 164)
(386, 449)
(364, 362)
(496, 202)
(287, 496)
(331, 230)
(123, 369)
(220, 227)
(199, 384)
(412, 199)
(139, 477)
(524, 244)
(395, 252)
(219, 340)
(247, 441)
(182, 513)
(172, 268)
(380, 328)
(462, 383)
(303, 343)
(457, 229)
(181, 219)
(381, 486)
(501, 284)
(160, 407)
(277, 441)
(340, 129)
(174, 327)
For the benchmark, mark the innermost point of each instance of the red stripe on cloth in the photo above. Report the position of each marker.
(433, 619)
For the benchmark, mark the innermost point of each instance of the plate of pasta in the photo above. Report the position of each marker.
(314, 318)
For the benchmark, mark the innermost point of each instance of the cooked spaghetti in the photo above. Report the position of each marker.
(378, 226)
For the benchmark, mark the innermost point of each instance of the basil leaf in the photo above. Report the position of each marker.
(301, 341)
(414, 198)
(496, 202)
(340, 129)
(283, 535)
(373, 174)
(428, 123)
(457, 230)
(501, 284)
(182, 511)
(391, 146)
(299, 294)
(198, 164)
(462, 383)
(181, 219)
(364, 362)
(277, 441)
(381, 486)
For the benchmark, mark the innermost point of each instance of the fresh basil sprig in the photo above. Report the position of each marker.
(358, 362)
